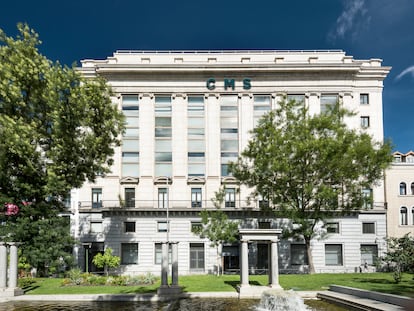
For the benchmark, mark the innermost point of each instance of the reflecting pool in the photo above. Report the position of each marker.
(181, 305)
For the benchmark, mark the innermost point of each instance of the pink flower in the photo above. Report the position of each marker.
(11, 209)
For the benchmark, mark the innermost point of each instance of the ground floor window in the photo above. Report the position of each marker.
(333, 255)
(196, 256)
(298, 254)
(369, 254)
(158, 254)
(129, 253)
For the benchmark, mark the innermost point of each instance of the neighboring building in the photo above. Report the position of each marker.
(399, 185)
(188, 114)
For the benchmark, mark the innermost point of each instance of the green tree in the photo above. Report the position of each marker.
(217, 227)
(57, 130)
(106, 260)
(309, 167)
(400, 255)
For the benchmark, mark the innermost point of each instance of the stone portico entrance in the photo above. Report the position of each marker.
(264, 236)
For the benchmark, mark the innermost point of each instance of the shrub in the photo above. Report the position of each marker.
(26, 282)
(75, 276)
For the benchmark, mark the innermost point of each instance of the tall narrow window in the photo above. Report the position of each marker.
(230, 197)
(162, 198)
(367, 198)
(333, 255)
(229, 130)
(163, 137)
(403, 188)
(96, 197)
(403, 216)
(130, 139)
(158, 253)
(364, 121)
(196, 197)
(328, 102)
(129, 197)
(368, 228)
(363, 99)
(196, 136)
(369, 254)
(261, 106)
(196, 256)
(412, 188)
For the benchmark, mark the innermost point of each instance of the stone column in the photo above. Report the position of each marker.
(244, 268)
(3, 265)
(13, 265)
(274, 276)
(164, 264)
(174, 263)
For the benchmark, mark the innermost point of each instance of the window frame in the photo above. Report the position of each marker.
(369, 227)
(130, 226)
(339, 252)
(128, 247)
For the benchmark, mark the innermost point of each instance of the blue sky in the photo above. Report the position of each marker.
(75, 30)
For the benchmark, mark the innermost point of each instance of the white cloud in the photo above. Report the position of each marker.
(409, 70)
(354, 16)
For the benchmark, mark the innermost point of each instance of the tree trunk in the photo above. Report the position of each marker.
(310, 258)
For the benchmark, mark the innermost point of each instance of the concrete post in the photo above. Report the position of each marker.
(164, 264)
(244, 271)
(274, 276)
(174, 263)
(3, 265)
(13, 265)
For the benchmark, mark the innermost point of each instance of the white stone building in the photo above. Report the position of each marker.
(188, 114)
(399, 185)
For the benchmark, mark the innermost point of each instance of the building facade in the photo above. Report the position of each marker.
(399, 185)
(188, 114)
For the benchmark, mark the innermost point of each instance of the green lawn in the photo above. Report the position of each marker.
(381, 282)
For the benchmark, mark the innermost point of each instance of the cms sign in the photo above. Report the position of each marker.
(228, 84)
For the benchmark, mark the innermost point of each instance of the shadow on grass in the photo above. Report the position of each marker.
(235, 284)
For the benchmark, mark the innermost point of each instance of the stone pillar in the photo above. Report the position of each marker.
(3, 265)
(174, 267)
(13, 266)
(164, 264)
(244, 268)
(274, 262)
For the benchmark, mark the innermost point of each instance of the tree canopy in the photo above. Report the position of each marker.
(310, 166)
(57, 130)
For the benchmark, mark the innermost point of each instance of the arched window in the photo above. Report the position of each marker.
(403, 188)
(403, 216)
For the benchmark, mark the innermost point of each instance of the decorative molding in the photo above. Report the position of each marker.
(196, 180)
(229, 180)
(129, 181)
(162, 180)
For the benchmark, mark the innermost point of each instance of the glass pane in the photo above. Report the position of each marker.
(130, 145)
(163, 145)
(163, 170)
(163, 132)
(196, 122)
(229, 145)
(163, 156)
(131, 170)
(163, 121)
(130, 157)
(196, 169)
(196, 145)
(132, 122)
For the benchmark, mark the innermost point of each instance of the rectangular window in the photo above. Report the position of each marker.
(162, 226)
(367, 198)
(129, 253)
(162, 197)
(163, 136)
(96, 227)
(130, 139)
(230, 197)
(129, 226)
(96, 197)
(129, 197)
(196, 197)
(363, 99)
(229, 131)
(332, 227)
(197, 256)
(264, 224)
(298, 254)
(369, 254)
(364, 121)
(368, 228)
(328, 102)
(333, 255)
(158, 254)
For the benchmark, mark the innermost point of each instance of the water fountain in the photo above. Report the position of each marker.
(280, 300)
